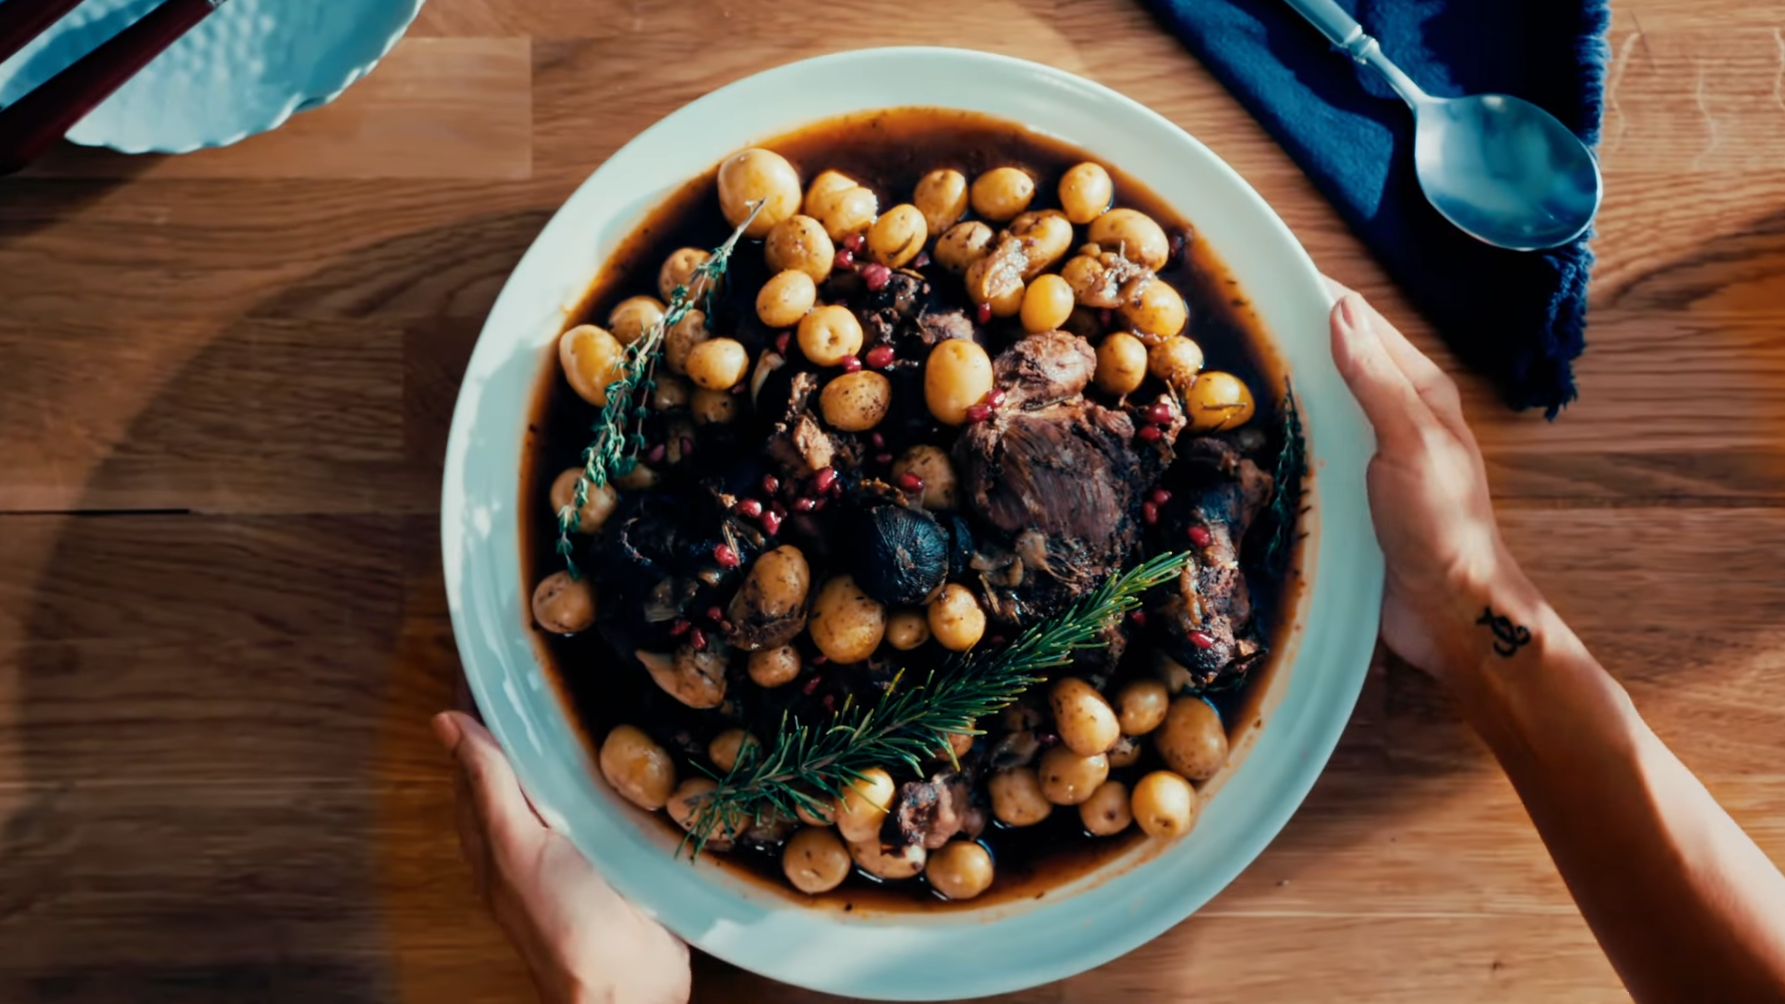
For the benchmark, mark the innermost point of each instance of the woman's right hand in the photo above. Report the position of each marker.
(1428, 496)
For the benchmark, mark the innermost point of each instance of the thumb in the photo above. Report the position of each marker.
(502, 810)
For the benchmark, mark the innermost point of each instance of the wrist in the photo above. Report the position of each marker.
(1498, 620)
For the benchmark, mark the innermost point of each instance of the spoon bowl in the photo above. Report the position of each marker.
(1505, 170)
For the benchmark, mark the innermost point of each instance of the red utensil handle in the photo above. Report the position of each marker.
(23, 20)
(36, 121)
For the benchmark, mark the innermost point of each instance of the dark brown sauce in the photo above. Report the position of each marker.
(887, 151)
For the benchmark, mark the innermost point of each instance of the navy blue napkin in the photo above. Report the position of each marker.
(1517, 316)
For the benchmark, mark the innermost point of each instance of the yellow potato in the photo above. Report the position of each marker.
(957, 376)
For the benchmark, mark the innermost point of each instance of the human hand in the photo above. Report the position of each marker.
(1428, 495)
(580, 940)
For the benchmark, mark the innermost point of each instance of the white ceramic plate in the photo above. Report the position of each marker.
(910, 955)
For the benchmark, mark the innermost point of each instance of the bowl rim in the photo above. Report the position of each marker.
(1094, 919)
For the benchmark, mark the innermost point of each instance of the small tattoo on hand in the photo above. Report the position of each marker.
(1508, 637)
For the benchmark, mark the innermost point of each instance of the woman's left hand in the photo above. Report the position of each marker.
(582, 942)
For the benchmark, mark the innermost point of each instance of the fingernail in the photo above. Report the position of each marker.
(446, 729)
(1352, 313)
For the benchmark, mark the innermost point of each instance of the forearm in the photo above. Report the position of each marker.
(1684, 903)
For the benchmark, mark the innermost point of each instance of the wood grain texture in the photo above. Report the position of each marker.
(225, 382)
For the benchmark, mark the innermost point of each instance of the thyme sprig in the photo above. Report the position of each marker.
(808, 765)
(619, 432)
(1286, 502)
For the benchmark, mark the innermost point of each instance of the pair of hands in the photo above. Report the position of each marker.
(1429, 500)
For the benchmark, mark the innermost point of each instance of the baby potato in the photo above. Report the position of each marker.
(1218, 401)
(997, 277)
(907, 629)
(1106, 812)
(754, 175)
(1141, 706)
(638, 479)
(932, 466)
(825, 188)
(815, 860)
(1047, 303)
(724, 749)
(890, 863)
(634, 316)
(671, 392)
(1133, 235)
(769, 609)
(957, 376)
(1164, 804)
(846, 624)
(1045, 236)
(1010, 302)
(639, 769)
(897, 236)
(599, 501)
(963, 244)
(591, 358)
(1176, 360)
(1085, 721)
(1155, 309)
(856, 402)
(786, 298)
(1121, 364)
(1085, 192)
(862, 807)
(774, 667)
(682, 337)
(678, 271)
(799, 243)
(960, 869)
(819, 813)
(714, 407)
(941, 196)
(1068, 778)
(1016, 797)
(563, 605)
(829, 334)
(1192, 741)
(1001, 193)
(956, 620)
(685, 806)
(717, 363)
(850, 211)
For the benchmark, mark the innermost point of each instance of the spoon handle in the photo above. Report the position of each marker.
(1347, 35)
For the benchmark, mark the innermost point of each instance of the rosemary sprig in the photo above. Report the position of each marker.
(1286, 503)
(619, 432)
(808, 765)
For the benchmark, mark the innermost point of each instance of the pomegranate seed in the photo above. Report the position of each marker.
(771, 523)
(1161, 496)
(979, 413)
(824, 479)
(1201, 639)
(877, 440)
(810, 685)
(1149, 512)
(883, 458)
(737, 388)
(845, 258)
(855, 243)
(777, 510)
(782, 341)
(995, 397)
(770, 484)
(880, 356)
(1048, 739)
(876, 276)
(687, 447)
(910, 482)
(656, 454)
(1160, 414)
(679, 628)
(1105, 318)
(750, 508)
(715, 614)
(804, 505)
(985, 313)
(698, 639)
(725, 556)
(1139, 617)
(1200, 536)
(820, 659)
(851, 364)
(818, 506)
(830, 702)
(1150, 433)
(922, 259)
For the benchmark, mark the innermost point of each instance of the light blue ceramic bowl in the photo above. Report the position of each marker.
(245, 70)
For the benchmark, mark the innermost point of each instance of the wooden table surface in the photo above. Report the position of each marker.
(225, 382)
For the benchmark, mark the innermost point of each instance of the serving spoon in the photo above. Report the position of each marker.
(1502, 169)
